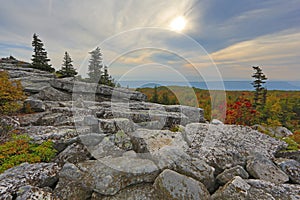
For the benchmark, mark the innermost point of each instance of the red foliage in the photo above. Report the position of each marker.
(241, 112)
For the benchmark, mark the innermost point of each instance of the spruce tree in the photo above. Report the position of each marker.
(154, 98)
(39, 57)
(67, 69)
(95, 66)
(106, 79)
(260, 94)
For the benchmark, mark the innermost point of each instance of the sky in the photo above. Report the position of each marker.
(222, 39)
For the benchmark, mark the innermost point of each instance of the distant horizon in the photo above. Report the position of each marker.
(228, 85)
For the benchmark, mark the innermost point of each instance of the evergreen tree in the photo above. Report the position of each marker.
(106, 79)
(165, 99)
(95, 66)
(67, 69)
(154, 98)
(39, 57)
(260, 94)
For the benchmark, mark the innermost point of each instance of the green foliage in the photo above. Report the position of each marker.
(292, 144)
(175, 128)
(154, 98)
(39, 57)
(21, 149)
(11, 93)
(67, 69)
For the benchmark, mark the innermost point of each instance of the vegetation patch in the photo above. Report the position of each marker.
(21, 149)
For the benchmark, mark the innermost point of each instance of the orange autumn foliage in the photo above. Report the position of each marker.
(11, 93)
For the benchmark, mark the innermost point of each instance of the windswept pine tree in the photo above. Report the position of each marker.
(67, 69)
(39, 57)
(95, 66)
(260, 94)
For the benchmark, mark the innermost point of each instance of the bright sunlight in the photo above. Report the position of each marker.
(178, 24)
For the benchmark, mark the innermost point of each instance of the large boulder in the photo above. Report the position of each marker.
(135, 192)
(261, 167)
(39, 175)
(105, 176)
(225, 146)
(174, 186)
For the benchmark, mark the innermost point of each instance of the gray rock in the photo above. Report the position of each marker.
(34, 193)
(228, 145)
(69, 185)
(71, 86)
(261, 167)
(229, 174)
(150, 141)
(216, 122)
(39, 175)
(54, 119)
(172, 185)
(74, 153)
(106, 176)
(291, 168)
(237, 188)
(34, 105)
(135, 192)
(193, 114)
(51, 94)
(274, 191)
(295, 155)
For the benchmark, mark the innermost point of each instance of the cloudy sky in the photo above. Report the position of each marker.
(221, 38)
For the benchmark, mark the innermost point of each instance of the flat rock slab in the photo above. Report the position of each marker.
(172, 185)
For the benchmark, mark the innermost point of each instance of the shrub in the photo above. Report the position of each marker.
(21, 149)
(292, 145)
(11, 93)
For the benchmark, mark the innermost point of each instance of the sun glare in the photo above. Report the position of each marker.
(178, 24)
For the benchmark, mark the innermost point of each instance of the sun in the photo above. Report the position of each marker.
(178, 24)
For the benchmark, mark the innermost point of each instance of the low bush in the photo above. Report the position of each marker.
(21, 149)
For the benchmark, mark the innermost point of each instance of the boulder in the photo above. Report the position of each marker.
(261, 167)
(135, 192)
(229, 174)
(32, 192)
(74, 153)
(226, 146)
(237, 188)
(295, 155)
(291, 168)
(34, 105)
(150, 141)
(172, 185)
(271, 190)
(52, 94)
(106, 176)
(39, 175)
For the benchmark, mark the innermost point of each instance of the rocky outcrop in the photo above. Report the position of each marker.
(113, 145)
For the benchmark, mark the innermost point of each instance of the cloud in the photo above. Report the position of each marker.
(278, 51)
